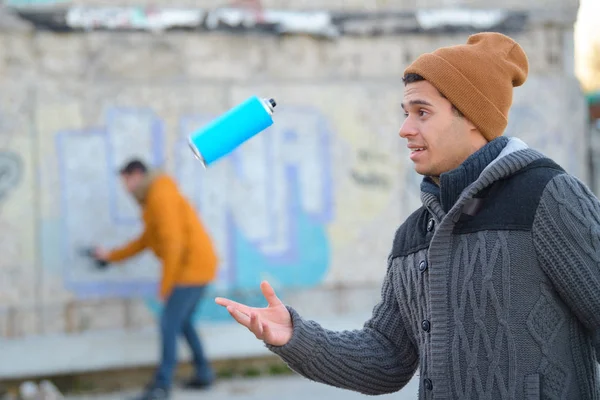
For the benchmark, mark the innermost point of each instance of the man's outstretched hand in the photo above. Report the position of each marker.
(272, 324)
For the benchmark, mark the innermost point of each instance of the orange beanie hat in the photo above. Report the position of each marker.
(477, 78)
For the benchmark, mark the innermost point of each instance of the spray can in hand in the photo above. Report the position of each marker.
(224, 134)
(89, 253)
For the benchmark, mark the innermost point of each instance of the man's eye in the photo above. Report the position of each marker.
(421, 113)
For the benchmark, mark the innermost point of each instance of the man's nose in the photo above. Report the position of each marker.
(408, 128)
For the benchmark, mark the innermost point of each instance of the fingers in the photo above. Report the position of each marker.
(251, 321)
(239, 316)
(248, 316)
(256, 325)
(269, 294)
(266, 332)
(230, 303)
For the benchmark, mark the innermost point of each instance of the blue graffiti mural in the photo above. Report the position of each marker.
(267, 205)
(281, 235)
(94, 205)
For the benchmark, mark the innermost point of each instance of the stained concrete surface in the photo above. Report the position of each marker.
(280, 388)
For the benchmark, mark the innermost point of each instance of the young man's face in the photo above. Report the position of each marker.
(438, 138)
(132, 181)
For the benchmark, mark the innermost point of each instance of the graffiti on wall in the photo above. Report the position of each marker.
(10, 176)
(10, 172)
(266, 205)
(34, 3)
(269, 200)
(319, 23)
(95, 207)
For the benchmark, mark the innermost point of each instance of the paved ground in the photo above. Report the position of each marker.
(278, 388)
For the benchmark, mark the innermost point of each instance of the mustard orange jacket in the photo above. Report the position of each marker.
(175, 234)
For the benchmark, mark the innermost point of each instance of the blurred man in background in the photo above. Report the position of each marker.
(173, 231)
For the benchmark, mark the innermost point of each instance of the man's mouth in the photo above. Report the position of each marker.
(417, 149)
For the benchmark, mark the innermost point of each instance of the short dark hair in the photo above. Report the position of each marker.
(412, 77)
(132, 166)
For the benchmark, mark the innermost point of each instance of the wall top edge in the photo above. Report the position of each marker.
(317, 23)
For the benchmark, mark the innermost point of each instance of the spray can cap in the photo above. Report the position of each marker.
(269, 104)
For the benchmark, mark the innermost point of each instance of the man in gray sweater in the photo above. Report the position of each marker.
(493, 285)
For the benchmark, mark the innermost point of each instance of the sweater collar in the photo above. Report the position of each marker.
(452, 183)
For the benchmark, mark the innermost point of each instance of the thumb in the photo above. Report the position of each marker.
(269, 294)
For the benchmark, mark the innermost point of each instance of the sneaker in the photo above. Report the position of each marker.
(154, 393)
(197, 384)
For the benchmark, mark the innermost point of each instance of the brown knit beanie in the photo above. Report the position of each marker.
(477, 78)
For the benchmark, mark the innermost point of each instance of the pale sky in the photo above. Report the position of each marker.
(587, 32)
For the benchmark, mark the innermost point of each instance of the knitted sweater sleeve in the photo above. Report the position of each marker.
(566, 234)
(596, 342)
(379, 358)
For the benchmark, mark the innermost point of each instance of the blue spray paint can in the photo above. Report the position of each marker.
(224, 134)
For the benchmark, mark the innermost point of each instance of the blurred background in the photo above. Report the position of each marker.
(311, 204)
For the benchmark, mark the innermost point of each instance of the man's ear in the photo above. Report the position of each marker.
(474, 132)
(471, 125)
(472, 128)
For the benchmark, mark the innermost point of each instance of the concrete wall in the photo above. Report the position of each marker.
(311, 204)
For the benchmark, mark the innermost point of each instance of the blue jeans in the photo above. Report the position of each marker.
(176, 319)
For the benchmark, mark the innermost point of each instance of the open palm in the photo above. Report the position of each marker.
(272, 324)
